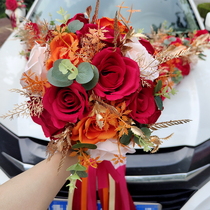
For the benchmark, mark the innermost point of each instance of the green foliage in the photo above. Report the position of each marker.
(159, 102)
(144, 143)
(146, 131)
(52, 80)
(178, 76)
(203, 9)
(64, 15)
(126, 139)
(77, 171)
(75, 25)
(67, 68)
(85, 73)
(202, 56)
(80, 145)
(56, 77)
(94, 81)
(158, 87)
(2, 8)
(64, 72)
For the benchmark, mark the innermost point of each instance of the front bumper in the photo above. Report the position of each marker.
(169, 177)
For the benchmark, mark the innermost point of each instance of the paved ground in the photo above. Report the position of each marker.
(5, 29)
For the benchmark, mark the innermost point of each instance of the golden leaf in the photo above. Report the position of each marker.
(73, 154)
(137, 131)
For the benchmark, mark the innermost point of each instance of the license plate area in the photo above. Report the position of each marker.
(60, 204)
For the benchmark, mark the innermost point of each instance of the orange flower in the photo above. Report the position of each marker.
(109, 22)
(64, 47)
(88, 131)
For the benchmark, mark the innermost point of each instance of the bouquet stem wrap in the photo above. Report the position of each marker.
(85, 195)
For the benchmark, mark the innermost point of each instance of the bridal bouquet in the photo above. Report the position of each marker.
(96, 87)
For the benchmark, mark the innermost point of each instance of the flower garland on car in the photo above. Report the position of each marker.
(15, 10)
(96, 87)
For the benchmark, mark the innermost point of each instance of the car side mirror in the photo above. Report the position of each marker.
(207, 21)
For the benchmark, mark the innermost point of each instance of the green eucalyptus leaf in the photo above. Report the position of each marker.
(75, 25)
(167, 42)
(66, 66)
(85, 73)
(159, 102)
(172, 39)
(77, 167)
(147, 131)
(80, 145)
(126, 139)
(82, 174)
(90, 85)
(55, 82)
(158, 86)
(178, 77)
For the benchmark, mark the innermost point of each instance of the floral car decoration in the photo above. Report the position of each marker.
(15, 10)
(97, 88)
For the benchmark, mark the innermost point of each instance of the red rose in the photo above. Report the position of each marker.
(11, 5)
(182, 65)
(80, 17)
(147, 45)
(85, 30)
(47, 125)
(66, 104)
(118, 75)
(32, 26)
(143, 106)
(199, 33)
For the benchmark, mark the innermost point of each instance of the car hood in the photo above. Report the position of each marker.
(191, 101)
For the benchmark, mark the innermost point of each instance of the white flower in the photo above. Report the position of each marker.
(147, 64)
(107, 149)
(36, 63)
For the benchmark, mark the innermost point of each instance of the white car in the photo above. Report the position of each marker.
(177, 176)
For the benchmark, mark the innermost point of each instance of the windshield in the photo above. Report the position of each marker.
(175, 13)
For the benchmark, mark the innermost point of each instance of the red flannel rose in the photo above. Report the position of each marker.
(64, 105)
(147, 45)
(143, 106)
(47, 125)
(199, 33)
(11, 4)
(118, 75)
(79, 16)
(85, 30)
(182, 65)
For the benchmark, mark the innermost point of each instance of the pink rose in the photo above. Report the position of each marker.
(11, 5)
(143, 106)
(66, 104)
(118, 75)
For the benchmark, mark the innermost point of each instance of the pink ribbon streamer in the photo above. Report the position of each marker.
(123, 200)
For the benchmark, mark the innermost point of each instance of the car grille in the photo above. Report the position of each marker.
(169, 199)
